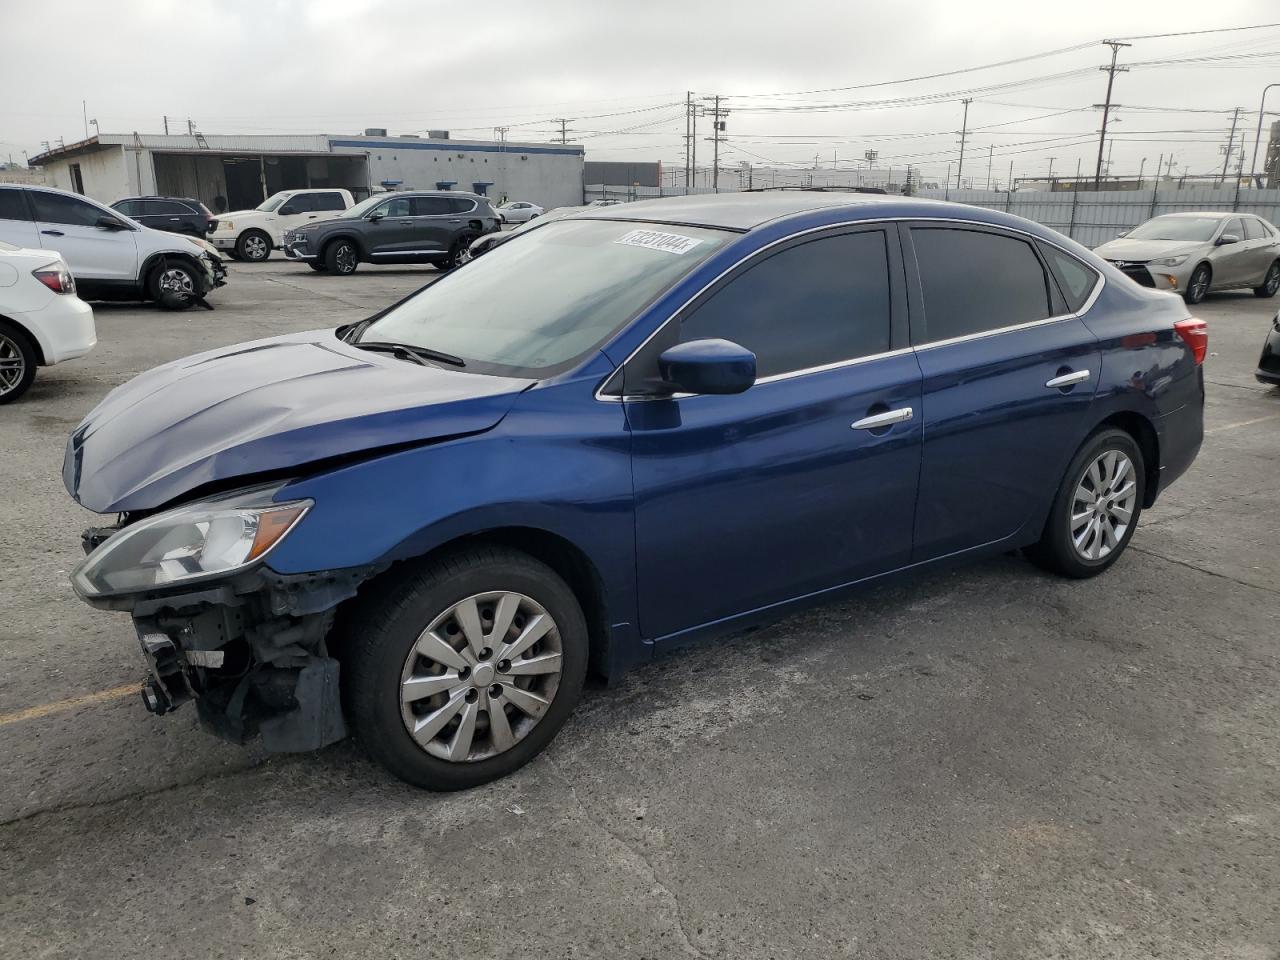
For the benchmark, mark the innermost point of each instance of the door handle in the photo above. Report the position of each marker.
(1068, 379)
(174, 219)
(53, 233)
(886, 419)
(455, 221)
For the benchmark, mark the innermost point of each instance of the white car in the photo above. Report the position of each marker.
(252, 234)
(42, 321)
(111, 256)
(519, 211)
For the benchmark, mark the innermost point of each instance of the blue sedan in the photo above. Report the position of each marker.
(630, 429)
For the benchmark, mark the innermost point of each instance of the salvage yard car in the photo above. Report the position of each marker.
(111, 256)
(633, 428)
(252, 234)
(1192, 253)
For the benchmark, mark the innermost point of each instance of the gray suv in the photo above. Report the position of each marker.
(407, 227)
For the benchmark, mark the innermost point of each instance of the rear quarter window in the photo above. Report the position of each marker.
(13, 205)
(1075, 280)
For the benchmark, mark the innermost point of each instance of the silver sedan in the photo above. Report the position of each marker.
(1191, 253)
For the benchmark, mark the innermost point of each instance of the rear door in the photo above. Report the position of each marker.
(16, 223)
(1009, 374)
(70, 226)
(749, 500)
(1261, 249)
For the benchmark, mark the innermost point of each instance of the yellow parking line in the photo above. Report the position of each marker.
(1243, 423)
(62, 706)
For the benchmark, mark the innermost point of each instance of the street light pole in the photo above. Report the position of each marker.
(1253, 164)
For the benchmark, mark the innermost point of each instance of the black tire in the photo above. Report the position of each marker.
(1196, 290)
(15, 349)
(253, 246)
(173, 284)
(319, 266)
(1056, 550)
(378, 633)
(1270, 283)
(341, 257)
(457, 252)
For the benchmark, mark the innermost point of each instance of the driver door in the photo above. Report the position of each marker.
(69, 226)
(1230, 260)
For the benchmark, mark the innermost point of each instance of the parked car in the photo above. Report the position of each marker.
(42, 321)
(1269, 363)
(519, 211)
(252, 234)
(606, 202)
(172, 214)
(1192, 253)
(408, 227)
(484, 244)
(598, 443)
(111, 256)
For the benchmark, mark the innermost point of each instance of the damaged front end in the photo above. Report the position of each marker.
(219, 627)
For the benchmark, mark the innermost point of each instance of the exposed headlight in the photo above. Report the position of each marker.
(191, 543)
(1169, 261)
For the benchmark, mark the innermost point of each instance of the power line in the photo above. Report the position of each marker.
(1196, 33)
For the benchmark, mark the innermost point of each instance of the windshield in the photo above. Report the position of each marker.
(364, 206)
(1176, 228)
(529, 307)
(273, 201)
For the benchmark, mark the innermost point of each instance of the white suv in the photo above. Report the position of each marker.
(110, 256)
(253, 234)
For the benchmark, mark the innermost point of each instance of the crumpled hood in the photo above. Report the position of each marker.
(1126, 249)
(266, 406)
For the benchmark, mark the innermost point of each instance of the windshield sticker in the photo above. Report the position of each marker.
(657, 240)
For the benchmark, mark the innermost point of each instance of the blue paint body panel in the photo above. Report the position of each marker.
(695, 512)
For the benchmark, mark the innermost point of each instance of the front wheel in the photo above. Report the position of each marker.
(1097, 507)
(1270, 283)
(173, 285)
(341, 257)
(1198, 285)
(463, 670)
(254, 246)
(17, 363)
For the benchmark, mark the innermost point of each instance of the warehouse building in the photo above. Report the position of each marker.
(236, 172)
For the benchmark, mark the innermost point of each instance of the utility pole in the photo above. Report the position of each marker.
(964, 135)
(990, 147)
(1112, 70)
(564, 129)
(166, 126)
(1231, 144)
(1142, 166)
(1051, 159)
(717, 128)
(688, 140)
(84, 108)
(1159, 165)
(1011, 176)
(191, 128)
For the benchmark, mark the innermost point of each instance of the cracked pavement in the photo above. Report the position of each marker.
(989, 762)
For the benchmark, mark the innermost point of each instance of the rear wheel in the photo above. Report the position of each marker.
(457, 252)
(17, 363)
(1270, 283)
(1097, 507)
(254, 246)
(1198, 285)
(341, 257)
(464, 670)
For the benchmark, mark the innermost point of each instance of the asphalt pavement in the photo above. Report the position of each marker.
(990, 762)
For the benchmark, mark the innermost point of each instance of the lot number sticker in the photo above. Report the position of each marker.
(657, 240)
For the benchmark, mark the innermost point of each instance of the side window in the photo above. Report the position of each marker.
(329, 201)
(1234, 228)
(162, 208)
(1252, 229)
(55, 208)
(431, 206)
(974, 282)
(399, 207)
(1268, 230)
(13, 205)
(1074, 279)
(130, 208)
(816, 303)
(461, 205)
(301, 203)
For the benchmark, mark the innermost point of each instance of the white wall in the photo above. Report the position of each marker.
(545, 174)
(106, 174)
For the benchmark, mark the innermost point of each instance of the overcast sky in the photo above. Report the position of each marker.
(338, 66)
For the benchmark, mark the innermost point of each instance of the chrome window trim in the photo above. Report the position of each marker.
(1084, 308)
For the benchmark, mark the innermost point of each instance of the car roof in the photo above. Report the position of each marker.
(1201, 214)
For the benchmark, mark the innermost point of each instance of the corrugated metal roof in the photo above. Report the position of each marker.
(224, 143)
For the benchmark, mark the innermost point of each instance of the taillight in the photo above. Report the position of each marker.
(1195, 333)
(56, 277)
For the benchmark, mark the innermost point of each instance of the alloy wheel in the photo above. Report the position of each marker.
(346, 258)
(1103, 504)
(1272, 283)
(13, 366)
(177, 280)
(1199, 284)
(481, 676)
(255, 248)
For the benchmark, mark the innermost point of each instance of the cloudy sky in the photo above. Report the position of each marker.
(801, 79)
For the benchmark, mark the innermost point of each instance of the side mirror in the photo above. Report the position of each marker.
(708, 366)
(376, 216)
(1227, 238)
(287, 211)
(110, 223)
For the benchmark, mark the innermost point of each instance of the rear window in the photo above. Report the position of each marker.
(13, 205)
(1253, 229)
